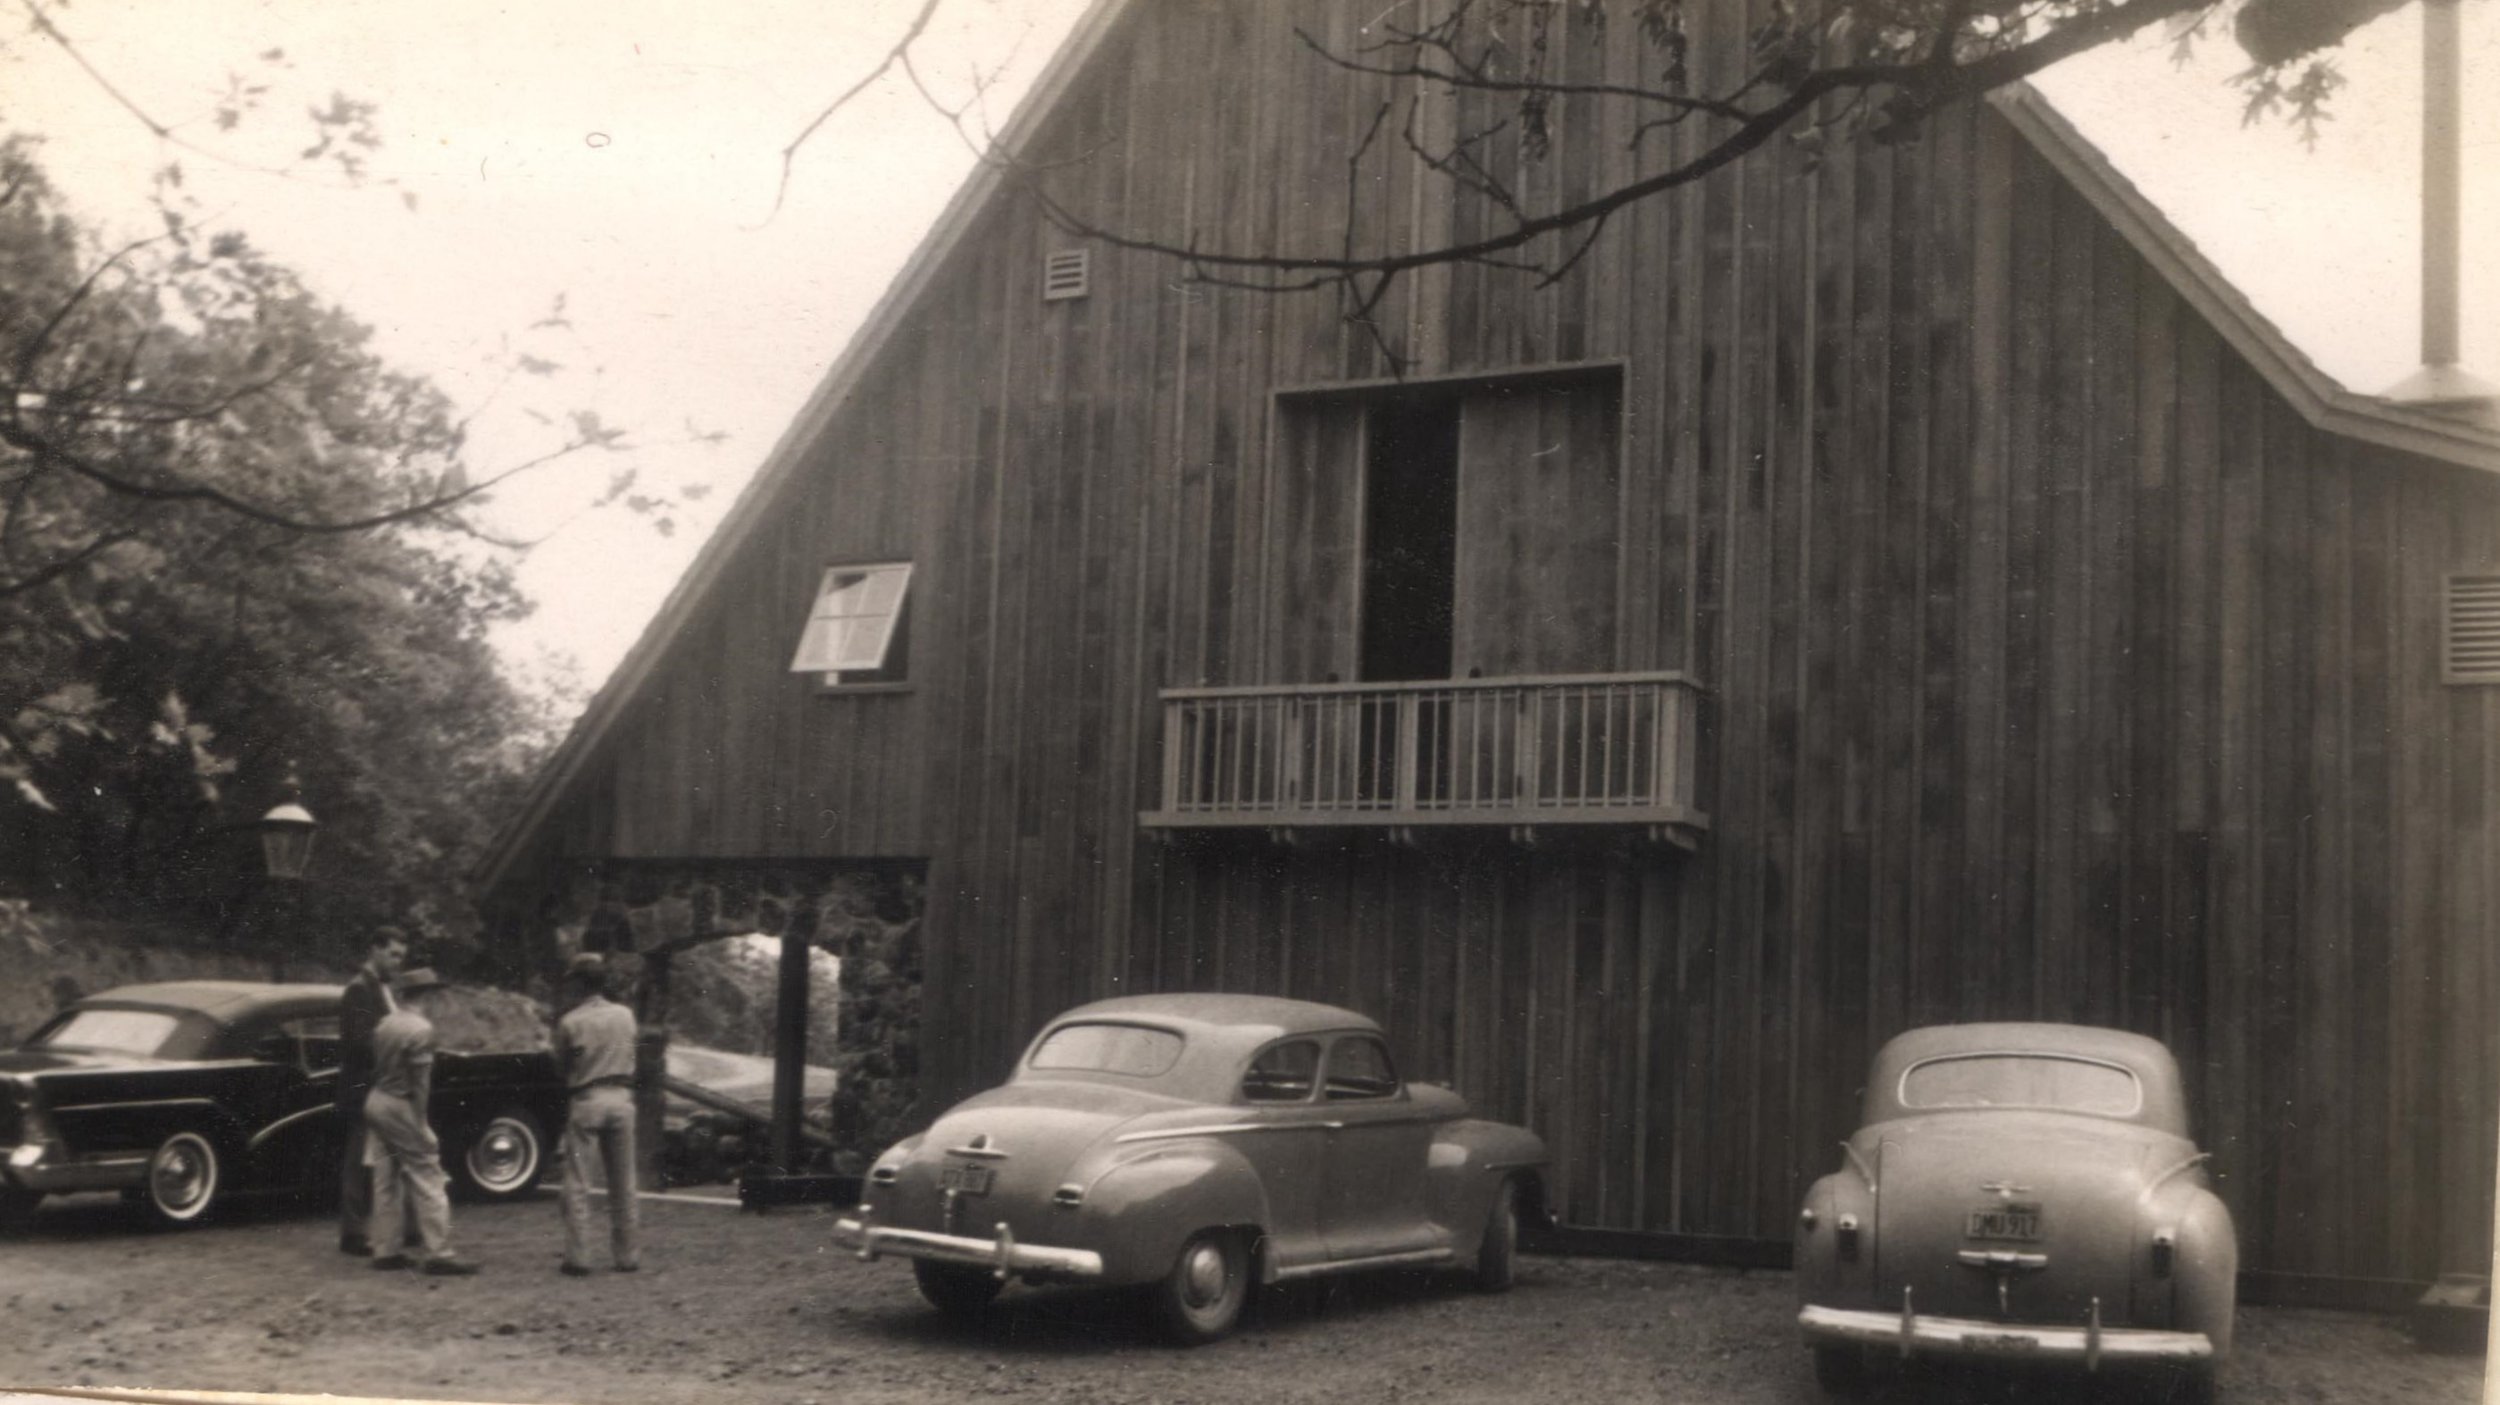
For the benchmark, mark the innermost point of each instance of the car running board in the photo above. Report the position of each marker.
(1408, 1258)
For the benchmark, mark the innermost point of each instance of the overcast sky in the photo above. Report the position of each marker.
(624, 154)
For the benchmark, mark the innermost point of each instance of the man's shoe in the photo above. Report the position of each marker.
(353, 1244)
(391, 1261)
(573, 1270)
(448, 1268)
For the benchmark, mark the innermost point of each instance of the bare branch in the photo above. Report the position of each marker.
(895, 55)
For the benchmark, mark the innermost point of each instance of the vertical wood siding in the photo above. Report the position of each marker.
(2057, 669)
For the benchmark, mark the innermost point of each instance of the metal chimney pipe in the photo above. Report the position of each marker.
(2442, 82)
(2439, 383)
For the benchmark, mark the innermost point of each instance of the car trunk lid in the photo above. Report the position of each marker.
(1010, 1148)
(2023, 1223)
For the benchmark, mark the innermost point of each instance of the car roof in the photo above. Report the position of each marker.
(2157, 1073)
(2089, 1041)
(228, 1002)
(1252, 1018)
(1221, 1031)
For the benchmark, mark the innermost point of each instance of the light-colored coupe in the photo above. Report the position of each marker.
(2020, 1192)
(1197, 1145)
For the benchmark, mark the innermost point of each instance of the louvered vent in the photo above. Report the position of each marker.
(2472, 629)
(1063, 275)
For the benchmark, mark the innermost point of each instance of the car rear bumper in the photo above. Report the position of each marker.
(999, 1253)
(1967, 1338)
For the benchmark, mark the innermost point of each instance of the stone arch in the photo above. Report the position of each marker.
(643, 913)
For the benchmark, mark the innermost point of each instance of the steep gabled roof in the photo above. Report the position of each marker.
(2317, 397)
(845, 375)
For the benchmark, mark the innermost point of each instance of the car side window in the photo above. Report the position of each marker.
(1358, 1067)
(1282, 1073)
(316, 1043)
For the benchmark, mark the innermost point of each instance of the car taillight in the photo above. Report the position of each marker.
(1845, 1231)
(2165, 1251)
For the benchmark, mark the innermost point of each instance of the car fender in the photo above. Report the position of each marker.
(2207, 1268)
(1470, 1159)
(1143, 1208)
(1828, 1270)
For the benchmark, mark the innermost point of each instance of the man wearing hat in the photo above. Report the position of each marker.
(400, 1146)
(595, 1049)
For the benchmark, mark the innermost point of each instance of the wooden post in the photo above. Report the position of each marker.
(798, 940)
(650, 1105)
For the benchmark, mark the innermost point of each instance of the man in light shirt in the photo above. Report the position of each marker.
(400, 1145)
(595, 1051)
(362, 1005)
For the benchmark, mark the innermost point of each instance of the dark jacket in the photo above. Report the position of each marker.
(361, 1006)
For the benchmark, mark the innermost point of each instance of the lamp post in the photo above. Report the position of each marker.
(286, 842)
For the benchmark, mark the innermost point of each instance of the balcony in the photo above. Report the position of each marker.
(1520, 754)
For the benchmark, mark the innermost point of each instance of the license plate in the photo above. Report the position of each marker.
(2000, 1343)
(968, 1180)
(2019, 1223)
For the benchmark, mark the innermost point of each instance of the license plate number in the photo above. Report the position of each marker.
(2001, 1343)
(967, 1180)
(2018, 1223)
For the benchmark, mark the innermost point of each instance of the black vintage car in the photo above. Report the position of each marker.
(186, 1093)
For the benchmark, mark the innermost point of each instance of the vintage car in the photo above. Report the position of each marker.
(1198, 1145)
(185, 1093)
(2022, 1193)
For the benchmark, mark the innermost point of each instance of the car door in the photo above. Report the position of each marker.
(283, 1100)
(1284, 1136)
(1379, 1141)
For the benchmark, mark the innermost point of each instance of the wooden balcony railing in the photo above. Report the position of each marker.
(1588, 749)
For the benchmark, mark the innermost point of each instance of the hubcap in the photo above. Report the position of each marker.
(1202, 1274)
(501, 1157)
(181, 1177)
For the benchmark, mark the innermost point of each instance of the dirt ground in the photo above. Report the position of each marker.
(736, 1307)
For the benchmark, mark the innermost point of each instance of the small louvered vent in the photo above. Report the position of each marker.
(2471, 629)
(1063, 275)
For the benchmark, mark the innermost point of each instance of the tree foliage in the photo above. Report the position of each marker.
(231, 545)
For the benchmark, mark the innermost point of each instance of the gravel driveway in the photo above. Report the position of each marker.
(759, 1308)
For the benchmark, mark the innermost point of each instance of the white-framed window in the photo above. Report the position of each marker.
(856, 629)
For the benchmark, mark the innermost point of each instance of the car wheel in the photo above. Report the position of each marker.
(954, 1289)
(184, 1176)
(1496, 1258)
(504, 1157)
(1200, 1300)
(1840, 1370)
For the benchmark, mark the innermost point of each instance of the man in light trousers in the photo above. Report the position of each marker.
(400, 1146)
(595, 1049)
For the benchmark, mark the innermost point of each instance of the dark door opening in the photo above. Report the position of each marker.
(1410, 546)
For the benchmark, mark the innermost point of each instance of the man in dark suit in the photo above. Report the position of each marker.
(361, 1007)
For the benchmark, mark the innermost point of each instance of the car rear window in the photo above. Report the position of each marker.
(2051, 1081)
(1133, 1050)
(142, 1032)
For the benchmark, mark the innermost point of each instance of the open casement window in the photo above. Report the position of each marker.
(857, 630)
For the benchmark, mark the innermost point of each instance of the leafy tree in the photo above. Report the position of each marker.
(234, 542)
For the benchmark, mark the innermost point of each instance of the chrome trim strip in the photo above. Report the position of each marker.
(1858, 1159)
(1410, 1256)
(127, 1107)
(2190, 1163)
(1222, 1128)
(1000, 1253)
(283, 1123)
(986, 1153)
(1969, 1338)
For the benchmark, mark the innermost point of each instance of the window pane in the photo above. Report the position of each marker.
(2021, 1080)
(1283, 1074)
(850, 627)
(1128, 1049)
(1359, 1068)
(111, 1031)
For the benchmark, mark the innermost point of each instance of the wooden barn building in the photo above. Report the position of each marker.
(1900, 587)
